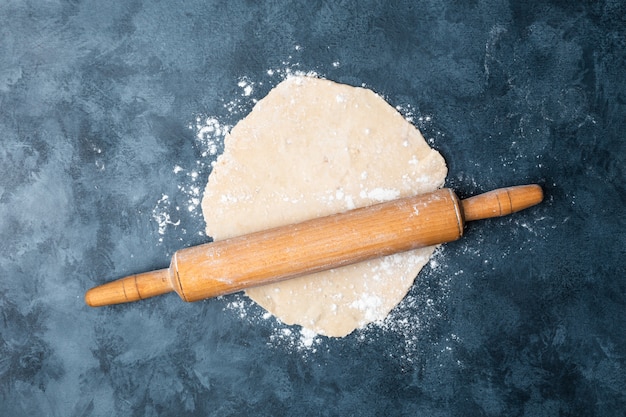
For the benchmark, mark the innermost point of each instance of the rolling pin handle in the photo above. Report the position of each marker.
(131, 288)
(501, 202)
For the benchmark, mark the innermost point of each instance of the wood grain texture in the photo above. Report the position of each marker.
(328, 242)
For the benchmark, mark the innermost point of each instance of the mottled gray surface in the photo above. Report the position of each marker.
(98, 104)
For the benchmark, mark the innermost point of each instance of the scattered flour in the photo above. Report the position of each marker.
(162, 214)
(209, 142)
(210, 135)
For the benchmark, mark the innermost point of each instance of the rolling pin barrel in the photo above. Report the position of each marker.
(234, 264)
(318, 244)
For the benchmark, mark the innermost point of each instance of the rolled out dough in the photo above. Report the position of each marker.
(311, 148)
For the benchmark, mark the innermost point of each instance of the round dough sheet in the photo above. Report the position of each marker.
(312, 148)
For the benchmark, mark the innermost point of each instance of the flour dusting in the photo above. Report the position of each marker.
(294, 338)
(380, 194)
(162, 214)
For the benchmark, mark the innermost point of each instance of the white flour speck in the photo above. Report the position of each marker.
(380, 194)
(210, 136)
(307, 337)
(246, 86)
(161, 214)
(369, 304)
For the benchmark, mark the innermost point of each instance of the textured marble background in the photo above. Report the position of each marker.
(100, 106)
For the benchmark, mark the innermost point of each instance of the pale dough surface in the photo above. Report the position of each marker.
(311, 148)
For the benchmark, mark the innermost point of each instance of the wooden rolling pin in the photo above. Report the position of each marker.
(315, 245)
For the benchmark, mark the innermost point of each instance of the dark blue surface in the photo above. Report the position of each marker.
(525, 316)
